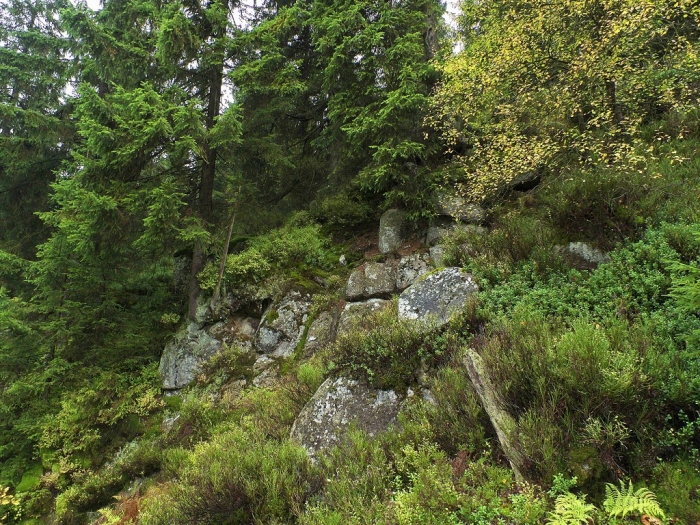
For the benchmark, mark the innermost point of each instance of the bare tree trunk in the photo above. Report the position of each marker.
(611, 89)
(206, 188)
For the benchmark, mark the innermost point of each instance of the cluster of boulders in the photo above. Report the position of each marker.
(428, 292)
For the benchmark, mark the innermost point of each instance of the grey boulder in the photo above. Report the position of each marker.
(453, 205)
(282, 327)
(184, 355)
(411, 268)
(371, 280)
(587, 253)
(437, 297)
(338, 403)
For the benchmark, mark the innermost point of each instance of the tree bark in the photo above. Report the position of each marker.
(206, 187)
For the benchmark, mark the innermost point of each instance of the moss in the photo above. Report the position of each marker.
(173, 402)
(30, 479)
(271, 316)
(585, 465)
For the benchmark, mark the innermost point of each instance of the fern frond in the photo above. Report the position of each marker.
(569, 509)
(621, 502)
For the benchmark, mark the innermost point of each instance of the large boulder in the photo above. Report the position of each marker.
(184, 355)
(282, 327)
(371, 280)
(392, 228)
(338, 403)
(438, 296)
(453, 205)
(381, 280)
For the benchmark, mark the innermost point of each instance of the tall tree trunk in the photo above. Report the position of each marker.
(206, 188)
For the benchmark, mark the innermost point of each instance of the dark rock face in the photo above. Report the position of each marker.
(326, 418)
(184, 356)
(438, 296)
(282, 328)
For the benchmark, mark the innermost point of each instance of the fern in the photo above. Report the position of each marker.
(569, 509)
(621, 502)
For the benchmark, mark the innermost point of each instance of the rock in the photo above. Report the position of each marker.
(371, 280)
(266, 379)
(236, 329)
(504, 424)
(184, 355)
(169, 422)
(587, 253)
(392, 228)
(437, 254)
(282, 327)
(438, 296)
(326, 418)
(452, 205)
(355, 311)
(343, 260)
(320, 333)
(410, 268)
(225, 308)
(262, 363)
(439, 228)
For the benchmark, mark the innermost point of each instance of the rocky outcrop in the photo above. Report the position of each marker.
(184, 355)
(438, 296)
(381, 280)
(392, 229)
(282, 327)
(338, 403)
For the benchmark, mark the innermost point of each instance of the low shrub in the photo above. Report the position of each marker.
(359, 478)
(237, 477)
(454, 415)
(567, 387)
(273, 259)
(388, 352)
